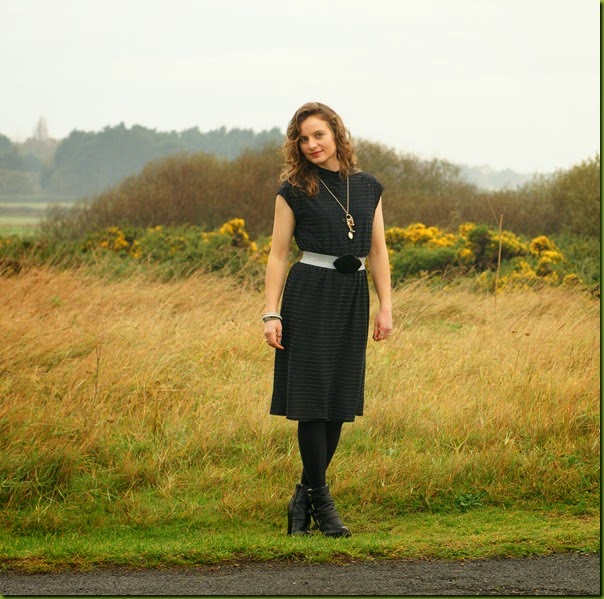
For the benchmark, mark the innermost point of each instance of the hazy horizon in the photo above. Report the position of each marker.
(510, 85)
(486, 168)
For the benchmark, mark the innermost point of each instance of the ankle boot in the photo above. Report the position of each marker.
(325, 514)
(298, 512)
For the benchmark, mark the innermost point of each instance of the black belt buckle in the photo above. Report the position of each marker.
(347, 264)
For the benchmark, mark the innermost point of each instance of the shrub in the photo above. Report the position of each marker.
(420, 250)
(184, 249)
(413, 261)
(485, 244)
(583, 253)
(542, 244)
(416, 250)
(417, 234)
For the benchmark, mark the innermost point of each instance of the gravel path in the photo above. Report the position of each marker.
(548, 575)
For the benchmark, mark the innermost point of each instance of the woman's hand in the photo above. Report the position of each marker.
(276, 268)
(380, 274)
(382, 328)
(272, 333)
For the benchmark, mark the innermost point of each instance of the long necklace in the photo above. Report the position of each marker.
(348, 218)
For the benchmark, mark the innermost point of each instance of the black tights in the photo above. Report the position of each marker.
(318, 440)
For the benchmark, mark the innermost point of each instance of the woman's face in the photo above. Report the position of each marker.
(318, 143)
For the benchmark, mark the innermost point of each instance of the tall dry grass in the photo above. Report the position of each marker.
(115, 391)
(476, 398)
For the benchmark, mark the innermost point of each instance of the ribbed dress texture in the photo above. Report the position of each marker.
(320, 375)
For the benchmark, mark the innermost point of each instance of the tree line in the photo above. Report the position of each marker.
(87, 163)
(207, 190)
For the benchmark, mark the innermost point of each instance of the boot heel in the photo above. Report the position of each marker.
(325, 514)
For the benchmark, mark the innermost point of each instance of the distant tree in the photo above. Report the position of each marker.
(88, 163)
(19, 170)
(570, 199)
(38, 150)
(15, 182)
(11, 160)
(41, 130)
(5, 144)
(206, 189)
(427, 191)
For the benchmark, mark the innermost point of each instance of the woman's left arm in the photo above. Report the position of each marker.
(380, 274)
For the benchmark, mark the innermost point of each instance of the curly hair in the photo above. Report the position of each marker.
(298, 170)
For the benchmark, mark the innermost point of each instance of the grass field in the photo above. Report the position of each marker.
(24, 227)
(22, 216)
(134, 426)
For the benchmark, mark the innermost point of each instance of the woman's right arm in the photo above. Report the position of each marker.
(276, 268)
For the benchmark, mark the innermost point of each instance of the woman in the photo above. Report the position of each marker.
(334, 211)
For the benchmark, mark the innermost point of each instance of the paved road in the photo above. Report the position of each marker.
(547, 575)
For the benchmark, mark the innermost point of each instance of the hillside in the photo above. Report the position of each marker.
(87, 163)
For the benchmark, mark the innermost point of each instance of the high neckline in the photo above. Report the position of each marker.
(328, 174)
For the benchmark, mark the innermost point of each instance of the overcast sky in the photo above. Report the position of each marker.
(508, 83)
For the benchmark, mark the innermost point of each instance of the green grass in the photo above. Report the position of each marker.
(134, 426)
(25, 231)
(21, 216)
(15, 220)
(481, 533)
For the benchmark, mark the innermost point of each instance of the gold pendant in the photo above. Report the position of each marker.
(350, 223)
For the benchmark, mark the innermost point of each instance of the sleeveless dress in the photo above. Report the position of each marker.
(320, 375)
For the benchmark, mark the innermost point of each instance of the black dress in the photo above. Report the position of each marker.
(320, 375)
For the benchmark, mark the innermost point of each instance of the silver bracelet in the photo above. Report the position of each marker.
(271, 316)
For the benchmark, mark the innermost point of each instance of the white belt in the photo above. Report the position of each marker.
(324, 260)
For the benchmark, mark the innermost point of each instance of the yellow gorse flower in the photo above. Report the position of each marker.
(415, 250)
(136, 250)
(236, 229)
(465, 228)
(510, 243)
(417, 234)
(542, 244)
